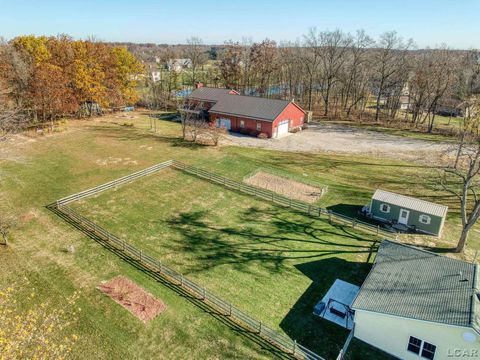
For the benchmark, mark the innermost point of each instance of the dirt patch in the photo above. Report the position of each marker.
(132, 297)
(286, 187)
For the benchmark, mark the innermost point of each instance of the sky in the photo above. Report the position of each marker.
(429, 22)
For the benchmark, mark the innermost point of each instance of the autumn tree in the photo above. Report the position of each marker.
(231, 65)
(264, 60)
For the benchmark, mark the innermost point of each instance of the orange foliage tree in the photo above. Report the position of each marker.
(67, 75)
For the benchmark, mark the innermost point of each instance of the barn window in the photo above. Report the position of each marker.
(385, 208)
(414, 345)
(425, 219)
(428, 351)
(242, 123)
(259, 126)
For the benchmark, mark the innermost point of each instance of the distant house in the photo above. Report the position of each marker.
(415, 304)
(247, 114)
(156, 76)
(179, 64)
(408, 212)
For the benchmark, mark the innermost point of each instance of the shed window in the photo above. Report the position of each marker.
(385, 208)
(428, 351)
(414, 345)
(242, 123)
(259, 126)
(425, 219)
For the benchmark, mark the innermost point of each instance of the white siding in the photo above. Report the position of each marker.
(391, 334)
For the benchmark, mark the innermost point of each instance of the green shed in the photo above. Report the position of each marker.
(415, 214)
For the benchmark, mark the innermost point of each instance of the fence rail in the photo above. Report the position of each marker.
(282, 342)
(113, 183)
(311, 210)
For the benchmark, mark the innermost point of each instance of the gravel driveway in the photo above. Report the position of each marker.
(345, 139)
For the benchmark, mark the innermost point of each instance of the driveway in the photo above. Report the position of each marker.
(347, 140)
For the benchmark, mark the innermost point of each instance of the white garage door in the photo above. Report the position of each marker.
(224, 123)
(282, 128)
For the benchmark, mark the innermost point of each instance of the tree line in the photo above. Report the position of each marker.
(45, 78)
(337, 74)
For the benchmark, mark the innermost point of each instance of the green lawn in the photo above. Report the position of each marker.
(36, 170)
(237, 246)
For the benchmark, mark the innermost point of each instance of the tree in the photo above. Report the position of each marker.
(390, 67)
(310, 58)
(231, 65)
(264, 60)
(334, 47)
(195, 51)
(6, 225)
(463, 180)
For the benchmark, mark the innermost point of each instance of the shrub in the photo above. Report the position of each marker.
(295, 130)
(253, 133)
(304, 126)
(262, 135)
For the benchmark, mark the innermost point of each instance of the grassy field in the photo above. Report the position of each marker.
(237, 246)
(36, 170)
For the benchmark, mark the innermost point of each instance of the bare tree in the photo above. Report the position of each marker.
(310, 57)
(195, 51)
(334, 47)
(390, 67)
(6, 225)
(463, 179)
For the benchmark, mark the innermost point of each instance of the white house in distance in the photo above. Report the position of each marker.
(156, 76)
(416, 305)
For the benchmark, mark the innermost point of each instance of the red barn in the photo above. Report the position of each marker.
(248, 114)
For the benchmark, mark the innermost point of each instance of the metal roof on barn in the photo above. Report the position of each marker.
(413, 283)
(408, 202)
(208, 94)
(250, 107)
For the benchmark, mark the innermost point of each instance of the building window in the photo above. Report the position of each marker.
(428, 351)
(242, 123)
(385, 208)
(422, 348)
(425, 219)
(259, 126)
(414, 345)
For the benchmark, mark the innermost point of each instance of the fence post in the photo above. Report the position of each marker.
(159, 266)
(294, 347)
(123, 245)
(353, 223)
(141, 255)
(230, 310)
(378, 229)
(181, 280)
(204, 294)
(260, 328)
(319, 212)
(330, 217)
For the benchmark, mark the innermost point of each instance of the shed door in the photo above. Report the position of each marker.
(403, 217)
(282, 128)
(224, 123)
